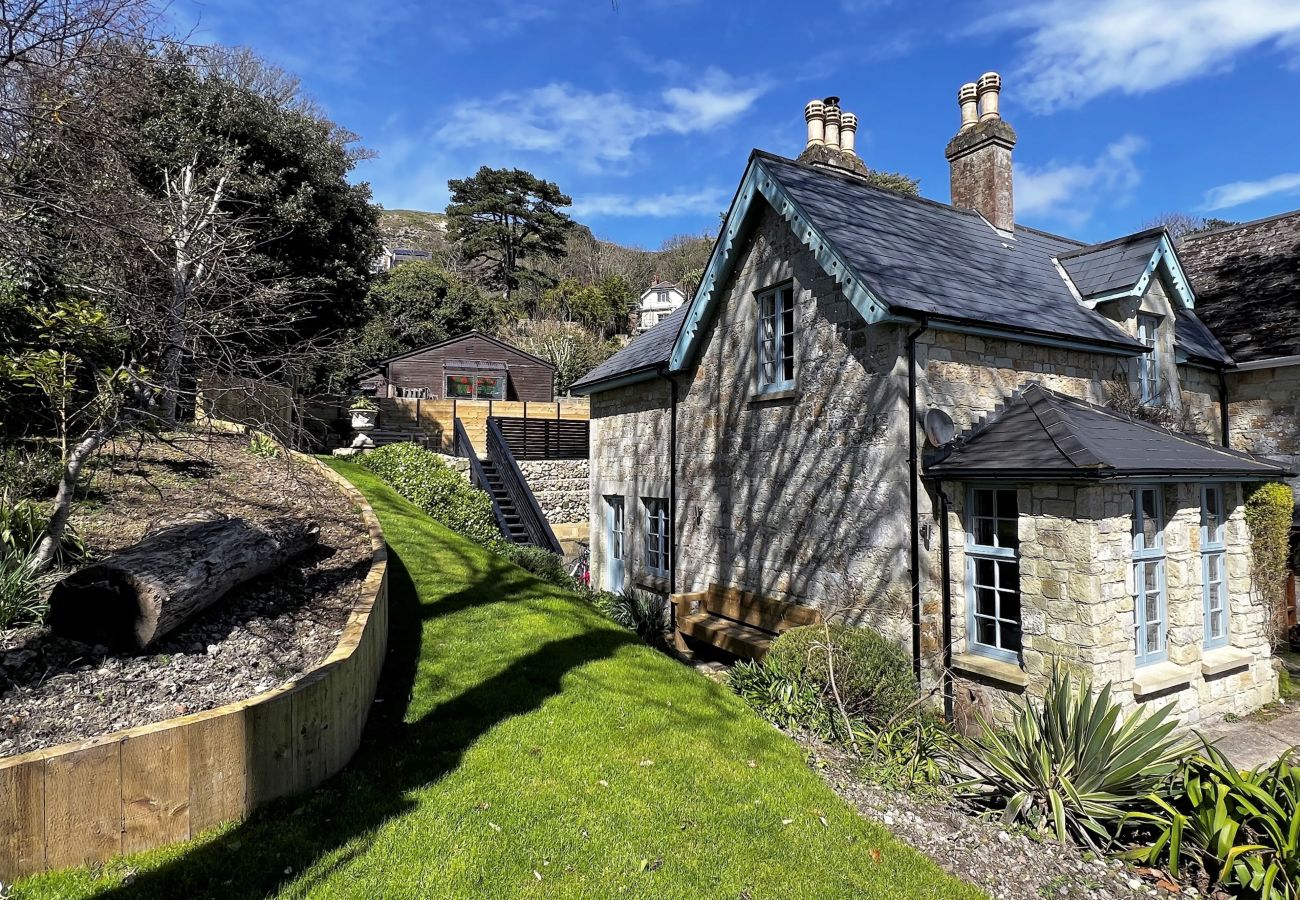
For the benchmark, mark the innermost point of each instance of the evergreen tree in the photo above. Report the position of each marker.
(504, 217)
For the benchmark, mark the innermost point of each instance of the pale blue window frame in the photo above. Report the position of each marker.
(1150, 590)
(775, 339)
(1149, 375)
(1214, 573)
(657, 544)
(993, 572)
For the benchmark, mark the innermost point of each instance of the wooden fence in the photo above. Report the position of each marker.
(436, 418)
(144, 787)
(546, 438)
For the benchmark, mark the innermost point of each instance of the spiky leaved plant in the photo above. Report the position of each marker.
(1073, 765)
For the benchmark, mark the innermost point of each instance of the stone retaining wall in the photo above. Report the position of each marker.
(561, 487)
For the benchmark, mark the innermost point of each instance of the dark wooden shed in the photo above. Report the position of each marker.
(473, 366)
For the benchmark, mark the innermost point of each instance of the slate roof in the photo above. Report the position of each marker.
(644, 353)
(919, 256)
(922, 257)
(1040, 434)
(1247, 284)
(1113, 266)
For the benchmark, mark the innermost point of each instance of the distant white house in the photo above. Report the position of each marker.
(392, 257)
(660, 299)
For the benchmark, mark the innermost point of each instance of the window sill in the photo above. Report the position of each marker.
(772, 396)
(993, 669)
(1222, 660)
(1159, 677)
(657, 583)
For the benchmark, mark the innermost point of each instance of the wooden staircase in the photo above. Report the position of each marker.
(507, 515)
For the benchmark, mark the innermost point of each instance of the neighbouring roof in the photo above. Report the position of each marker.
(1040, 434)
(1113, 266)
(1194, 339)
(467, 335)
(645, 353)
(1247, 282)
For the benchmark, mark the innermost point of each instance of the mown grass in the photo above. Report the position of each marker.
(526, 747)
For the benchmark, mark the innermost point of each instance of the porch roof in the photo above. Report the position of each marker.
(1039, 434)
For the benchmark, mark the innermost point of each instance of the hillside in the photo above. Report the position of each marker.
(679, 258)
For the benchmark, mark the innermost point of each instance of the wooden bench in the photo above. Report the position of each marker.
(740, 622)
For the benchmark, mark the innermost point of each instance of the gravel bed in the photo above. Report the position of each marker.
(1007, 866)
(54, 691)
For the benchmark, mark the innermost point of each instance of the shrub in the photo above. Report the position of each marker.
(872, 674)
(1069, 767)
(1268, 516)
(640, 611)
(25, 473)
(21, 595)
(1242, 828)
(787, 703)
(543, 563)
(914, 754)
(262, 445)
(422, 477)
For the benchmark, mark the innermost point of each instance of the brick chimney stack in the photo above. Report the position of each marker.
(980, 154)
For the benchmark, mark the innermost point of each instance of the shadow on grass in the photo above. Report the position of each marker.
(338, 821)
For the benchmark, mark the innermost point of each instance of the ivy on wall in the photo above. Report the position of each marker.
(1268, 515)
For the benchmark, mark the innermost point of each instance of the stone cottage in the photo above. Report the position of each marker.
(997, 445)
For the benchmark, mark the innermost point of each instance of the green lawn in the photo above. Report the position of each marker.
(525, 746)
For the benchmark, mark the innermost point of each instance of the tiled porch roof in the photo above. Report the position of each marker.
(1042, 435)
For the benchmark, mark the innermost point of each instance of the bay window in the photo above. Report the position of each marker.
(993, 572)
(1150, 623)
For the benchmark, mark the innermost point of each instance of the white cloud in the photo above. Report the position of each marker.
(1078, 51)
(1071, 192)
(1226, 196)
(679, 203)
(594, 129)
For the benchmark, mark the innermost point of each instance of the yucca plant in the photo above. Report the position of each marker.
(1242, 828)
(1072, 766)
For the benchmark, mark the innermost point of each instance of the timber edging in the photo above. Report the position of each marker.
(141, 788)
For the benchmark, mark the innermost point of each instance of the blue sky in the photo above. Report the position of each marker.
(644, 111)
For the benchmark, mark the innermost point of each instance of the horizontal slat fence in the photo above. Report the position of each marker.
(546, 438)
(144, 787)
(436, 418)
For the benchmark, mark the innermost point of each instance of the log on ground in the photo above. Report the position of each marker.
(178, 569)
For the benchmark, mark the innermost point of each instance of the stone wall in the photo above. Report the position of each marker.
(561, 487)
(1076, 582)
(804, 496)
(1264, 414)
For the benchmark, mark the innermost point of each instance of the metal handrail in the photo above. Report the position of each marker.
(477, 477)
(512, 479)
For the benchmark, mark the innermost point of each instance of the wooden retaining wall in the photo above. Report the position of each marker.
(156, 784)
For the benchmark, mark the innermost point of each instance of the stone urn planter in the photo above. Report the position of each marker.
(364, 419)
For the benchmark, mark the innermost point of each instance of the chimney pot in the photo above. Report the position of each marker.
(968, 98)
(832, 124)
(848, 132)
(814, 115)
(988, 88)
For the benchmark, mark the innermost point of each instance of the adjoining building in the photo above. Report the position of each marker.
(1004, 448)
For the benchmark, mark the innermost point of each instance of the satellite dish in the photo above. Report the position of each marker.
(939, 427)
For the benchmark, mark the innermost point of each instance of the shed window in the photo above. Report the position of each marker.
(476, 387)
(1149, 600)
(993, 572)
(656, 536)
(1213, 575)
(1149, 386)
(776, 333)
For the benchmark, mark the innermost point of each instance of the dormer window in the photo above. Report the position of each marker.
(776, 330)
(1149, 385)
